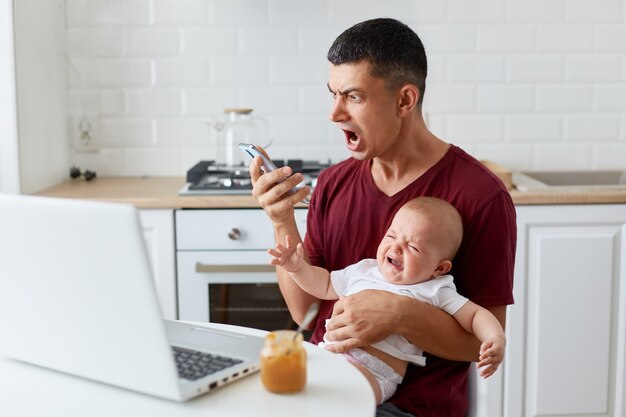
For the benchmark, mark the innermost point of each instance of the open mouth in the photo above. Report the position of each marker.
(352, 139)
(395, 263)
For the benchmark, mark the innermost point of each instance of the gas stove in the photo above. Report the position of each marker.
(209, 178)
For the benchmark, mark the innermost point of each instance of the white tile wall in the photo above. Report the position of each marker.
(527, 83)
(593, 68)
(534, 68)
(535, 11)
(556, 98)
(604, 128)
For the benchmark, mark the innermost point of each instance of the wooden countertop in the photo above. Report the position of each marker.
(162, 192)
(148, 192)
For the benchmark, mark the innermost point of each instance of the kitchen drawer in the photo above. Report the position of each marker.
(228, 229)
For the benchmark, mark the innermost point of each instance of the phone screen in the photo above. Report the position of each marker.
(252, 152)
(267, 166)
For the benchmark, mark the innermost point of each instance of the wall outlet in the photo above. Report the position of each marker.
(85, 133)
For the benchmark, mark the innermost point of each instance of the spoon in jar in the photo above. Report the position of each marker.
(310, 314)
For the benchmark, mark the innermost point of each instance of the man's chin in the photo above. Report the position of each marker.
(360, 156)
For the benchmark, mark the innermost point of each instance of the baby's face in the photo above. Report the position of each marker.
(410, 251)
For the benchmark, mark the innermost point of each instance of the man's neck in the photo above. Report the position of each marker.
(412, 155)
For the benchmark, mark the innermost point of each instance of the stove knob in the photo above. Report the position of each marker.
(234, 234)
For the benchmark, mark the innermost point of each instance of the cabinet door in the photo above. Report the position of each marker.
(158, 232)
(485, 395)
(566, 345)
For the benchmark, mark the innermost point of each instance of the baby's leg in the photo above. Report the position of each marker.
(369, 376)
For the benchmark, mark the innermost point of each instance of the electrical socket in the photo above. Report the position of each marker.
(85, 133)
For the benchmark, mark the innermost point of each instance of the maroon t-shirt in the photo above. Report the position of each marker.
(348, 216)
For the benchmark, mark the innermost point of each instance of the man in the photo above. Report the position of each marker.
(377, 81)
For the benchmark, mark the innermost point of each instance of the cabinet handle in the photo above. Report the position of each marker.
(234, 234)
(221, 268)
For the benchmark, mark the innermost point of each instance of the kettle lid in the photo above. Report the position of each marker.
(238, 110)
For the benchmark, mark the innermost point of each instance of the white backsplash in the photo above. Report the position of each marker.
(526, 83)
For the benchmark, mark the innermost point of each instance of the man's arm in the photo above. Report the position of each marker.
(370, 316)
(272, 196)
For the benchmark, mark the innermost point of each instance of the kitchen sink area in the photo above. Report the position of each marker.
(570, 181)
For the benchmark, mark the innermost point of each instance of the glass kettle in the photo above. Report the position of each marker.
(239, 126)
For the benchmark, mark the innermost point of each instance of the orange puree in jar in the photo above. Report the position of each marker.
(283, 362)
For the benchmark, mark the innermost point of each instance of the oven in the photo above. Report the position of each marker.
(223, 271)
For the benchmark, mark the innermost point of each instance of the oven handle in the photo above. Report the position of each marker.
(234, 268)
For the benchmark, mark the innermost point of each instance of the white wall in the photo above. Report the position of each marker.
(526, 83)
(9, 156)
(41, 92)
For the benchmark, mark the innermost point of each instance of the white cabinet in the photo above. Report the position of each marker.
(566, 347)
(222, 248)
(158, 232)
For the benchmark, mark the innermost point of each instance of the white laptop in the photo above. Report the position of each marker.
(77, 295)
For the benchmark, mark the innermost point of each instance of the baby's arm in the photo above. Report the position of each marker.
(486, 327)
(312, 279)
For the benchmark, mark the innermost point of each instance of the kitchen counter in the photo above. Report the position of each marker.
(563, 197)
(144, 192)
(162, 192)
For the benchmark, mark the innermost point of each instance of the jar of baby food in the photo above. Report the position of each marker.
(283, 362)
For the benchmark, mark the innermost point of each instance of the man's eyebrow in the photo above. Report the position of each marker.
(343, 93)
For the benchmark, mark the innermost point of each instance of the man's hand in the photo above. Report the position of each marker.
(271, 194)
(371, 315)
(363, 319)
(271, 190)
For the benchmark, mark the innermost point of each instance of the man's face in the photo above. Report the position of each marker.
(364, 109)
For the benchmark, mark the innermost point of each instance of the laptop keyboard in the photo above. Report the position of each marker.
(193, 364)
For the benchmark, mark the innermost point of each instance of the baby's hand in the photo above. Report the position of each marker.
(491, 355)
(287, 256)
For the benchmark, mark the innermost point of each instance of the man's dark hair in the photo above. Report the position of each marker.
(395, 52)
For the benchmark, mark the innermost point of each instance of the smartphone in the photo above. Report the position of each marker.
(267, 165)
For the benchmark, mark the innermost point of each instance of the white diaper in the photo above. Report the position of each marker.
(387, 378)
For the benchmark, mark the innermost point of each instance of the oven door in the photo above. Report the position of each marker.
(258, 305)
(232, 287)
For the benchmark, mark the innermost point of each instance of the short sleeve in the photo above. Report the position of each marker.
(484, 266)
(339, 282)
(449, 300)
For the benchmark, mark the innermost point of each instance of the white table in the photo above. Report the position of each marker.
(334, 388)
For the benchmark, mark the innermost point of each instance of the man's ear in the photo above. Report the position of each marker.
(442, 268)
(408, 97)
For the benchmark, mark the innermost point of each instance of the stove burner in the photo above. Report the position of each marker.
(206, 177)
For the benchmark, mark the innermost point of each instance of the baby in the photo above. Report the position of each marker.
(412, 259)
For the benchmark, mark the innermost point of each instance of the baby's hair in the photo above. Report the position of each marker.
(444, 217)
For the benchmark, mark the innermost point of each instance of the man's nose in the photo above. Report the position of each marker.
(338, 112)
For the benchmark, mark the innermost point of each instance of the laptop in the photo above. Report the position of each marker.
(77, 295)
